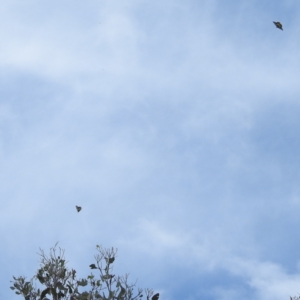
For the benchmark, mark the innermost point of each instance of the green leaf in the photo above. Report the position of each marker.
(84, 296)
(82, 282)
(70, 288)
(53, 291)
(93, 266)
(62, 262)
(45, 292)
(107, 277)
(155, 297)
(40, 278)
(17, 286)
(60, 286)
(111, 260)
(111, 295)
(60, 294)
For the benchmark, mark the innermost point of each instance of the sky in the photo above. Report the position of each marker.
(174, 124)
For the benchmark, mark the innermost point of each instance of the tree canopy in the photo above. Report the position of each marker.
(55, 280)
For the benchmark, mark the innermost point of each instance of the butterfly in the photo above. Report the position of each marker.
(78, 208)
(278, 25)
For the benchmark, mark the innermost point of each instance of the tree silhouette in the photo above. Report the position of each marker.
(60, 283)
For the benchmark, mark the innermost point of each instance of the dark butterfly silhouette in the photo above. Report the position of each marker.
(78, 208)
(155, 297)
(278, 25)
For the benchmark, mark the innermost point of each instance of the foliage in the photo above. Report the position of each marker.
(60, 283)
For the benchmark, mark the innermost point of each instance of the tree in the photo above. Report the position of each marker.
(60, 283)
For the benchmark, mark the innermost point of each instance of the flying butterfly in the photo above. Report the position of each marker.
(78, 208)
(278, 25)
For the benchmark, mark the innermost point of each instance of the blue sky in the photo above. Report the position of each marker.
(174, 124)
